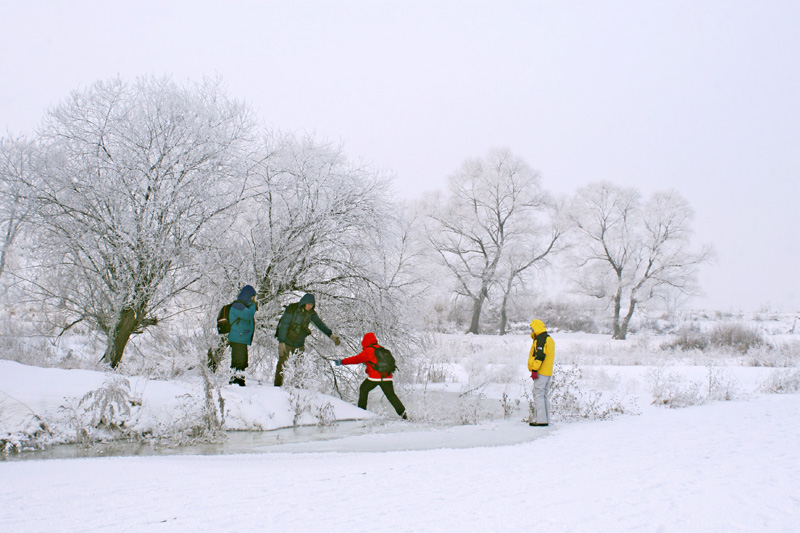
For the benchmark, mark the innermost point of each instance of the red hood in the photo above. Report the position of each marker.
(369, 339)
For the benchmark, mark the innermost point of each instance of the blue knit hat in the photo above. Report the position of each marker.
(246, 293)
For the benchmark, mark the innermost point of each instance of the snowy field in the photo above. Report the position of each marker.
(659, 441)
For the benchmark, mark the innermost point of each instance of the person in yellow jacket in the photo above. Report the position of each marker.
(540, 365)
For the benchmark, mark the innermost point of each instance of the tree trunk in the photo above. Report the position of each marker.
(503, 315)
(623, 331)
(617, 308)
(125, 326)
(474, 326)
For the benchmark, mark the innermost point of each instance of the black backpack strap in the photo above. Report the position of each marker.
(541, 339)
(374, 364)
(229, 313)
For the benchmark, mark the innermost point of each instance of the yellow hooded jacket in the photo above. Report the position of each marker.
(544, 367)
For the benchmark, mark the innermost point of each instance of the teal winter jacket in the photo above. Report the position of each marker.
(241, 316)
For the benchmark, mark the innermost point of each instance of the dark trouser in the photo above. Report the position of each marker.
(388, 389)
(238, 355)
(284, 352)
(238, 361)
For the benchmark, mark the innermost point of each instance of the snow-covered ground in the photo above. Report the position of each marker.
(726, 466)
(715, 466)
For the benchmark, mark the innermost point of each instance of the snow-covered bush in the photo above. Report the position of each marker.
(470, 407)
(20, 428)
(782, 381)
(508, 404)
(722, 385)
(776, 354)
(310, 371)
(325, 414)
(102, 414)
(214, 403)
(740, 337)
(736, 336)
(304, 404)
(567, 315)
(114, 412)
(570, 401)
(29, 351)
(307, 375)
(689, 338)
(669, 389)
(672, 390)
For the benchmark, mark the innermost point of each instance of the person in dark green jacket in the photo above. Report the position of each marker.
(293, 329)
(243, 325)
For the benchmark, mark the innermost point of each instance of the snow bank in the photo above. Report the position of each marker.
(43, 406)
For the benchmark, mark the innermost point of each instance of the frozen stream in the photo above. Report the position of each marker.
(343, 436)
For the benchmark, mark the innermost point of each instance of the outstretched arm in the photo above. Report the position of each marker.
(320, 324)
(362, 357)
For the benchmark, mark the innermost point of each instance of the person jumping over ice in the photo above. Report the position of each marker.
(374, 378)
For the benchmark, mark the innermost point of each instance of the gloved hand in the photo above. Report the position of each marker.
(337, 362)
(335, 338)
(534, 375)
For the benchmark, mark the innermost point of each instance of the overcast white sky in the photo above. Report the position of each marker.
(699, 96)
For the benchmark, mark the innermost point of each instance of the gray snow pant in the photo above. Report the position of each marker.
(541, 400)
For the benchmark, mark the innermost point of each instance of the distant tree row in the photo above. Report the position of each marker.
(496, 227)
(138, 200)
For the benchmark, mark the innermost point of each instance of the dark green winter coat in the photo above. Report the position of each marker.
(293, 326)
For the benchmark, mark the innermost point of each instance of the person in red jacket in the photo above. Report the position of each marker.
(374, 378)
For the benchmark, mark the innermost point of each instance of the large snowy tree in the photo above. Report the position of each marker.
(135, 173)
(630, 252)
(316, 221)
(489, 228)
(545, 238)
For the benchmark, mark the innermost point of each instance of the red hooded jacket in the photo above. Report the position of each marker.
(367, 356)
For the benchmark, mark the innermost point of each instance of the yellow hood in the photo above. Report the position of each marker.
(538, 327)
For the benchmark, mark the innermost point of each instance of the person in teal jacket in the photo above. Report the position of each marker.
(243, 325)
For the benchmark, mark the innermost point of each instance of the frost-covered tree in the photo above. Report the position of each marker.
(17, 171)
(629, 252)
(545, 238)
(492, 213)
(315, 221)
(135, 174)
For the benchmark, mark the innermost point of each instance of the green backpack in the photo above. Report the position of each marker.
(385, 363)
